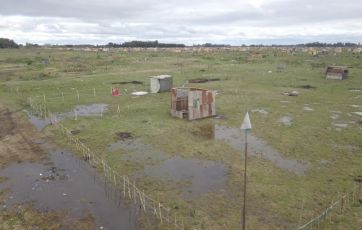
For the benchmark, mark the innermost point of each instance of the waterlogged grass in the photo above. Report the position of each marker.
(26, 217)
(276, 198)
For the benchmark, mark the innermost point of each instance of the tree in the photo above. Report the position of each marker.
(7, 43)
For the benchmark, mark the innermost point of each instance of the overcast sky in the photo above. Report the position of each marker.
(190, 22)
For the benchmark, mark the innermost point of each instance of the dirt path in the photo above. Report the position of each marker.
(17, 139)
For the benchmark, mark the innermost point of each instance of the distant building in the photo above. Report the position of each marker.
(338, 50)
(159, 84)
(336, 72)
(192, 103)
(313, 51)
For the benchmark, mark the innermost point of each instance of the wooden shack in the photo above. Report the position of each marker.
(336, 72)
(192, 103)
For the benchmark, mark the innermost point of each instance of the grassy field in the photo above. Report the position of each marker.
(324, 134)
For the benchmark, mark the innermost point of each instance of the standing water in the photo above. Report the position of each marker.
(233, 137)
(66, 183)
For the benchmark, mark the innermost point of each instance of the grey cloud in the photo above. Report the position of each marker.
(76, 8)
(176, 20)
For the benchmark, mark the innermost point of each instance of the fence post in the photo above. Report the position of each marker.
(94, 92)
(134, 192)
(124, 186)
(342, 204)
(159, 209)
(78, 95)
(63, 96)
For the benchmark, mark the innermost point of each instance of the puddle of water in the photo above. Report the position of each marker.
(306, 108)
(200, 176)
(137, 151)
(82, 110)
(204, 176)
(356, 106)
(65, 184)
(334, 116)
(335, 111)
(286, 120)
(340, 125)
(261, 111)
(87, 110)
(234, 137)
(37, 122)
(350, 148)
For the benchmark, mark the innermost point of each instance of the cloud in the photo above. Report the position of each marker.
(234, 22)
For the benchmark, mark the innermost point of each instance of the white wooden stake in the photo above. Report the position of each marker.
(124, 186)
(78, 95)
(94, 92)
(159, 209)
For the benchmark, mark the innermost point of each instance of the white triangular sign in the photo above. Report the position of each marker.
(246, 125)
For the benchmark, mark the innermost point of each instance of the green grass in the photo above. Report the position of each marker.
(275, 195)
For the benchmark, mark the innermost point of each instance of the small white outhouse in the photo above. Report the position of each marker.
(161, 83)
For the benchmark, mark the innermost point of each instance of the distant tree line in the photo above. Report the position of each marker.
(212, 45)
(338, 44)
(312, 44)
(144, 44)
(7, 43)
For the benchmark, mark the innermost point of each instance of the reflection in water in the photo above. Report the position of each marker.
(66, 183)
(80, 110)
(204, 176)
(199, 176)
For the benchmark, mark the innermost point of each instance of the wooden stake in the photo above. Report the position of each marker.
(124, 186)
(245, 164)
(159, 209)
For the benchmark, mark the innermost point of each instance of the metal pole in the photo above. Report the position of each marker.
(245, 163)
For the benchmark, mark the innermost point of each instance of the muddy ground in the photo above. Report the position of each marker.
(17, 139)
(18, 143)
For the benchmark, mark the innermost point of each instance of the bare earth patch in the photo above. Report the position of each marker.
(17, 139)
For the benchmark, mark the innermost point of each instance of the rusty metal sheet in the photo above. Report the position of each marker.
(192, 102)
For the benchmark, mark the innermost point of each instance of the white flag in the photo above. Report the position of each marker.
(246, 125)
